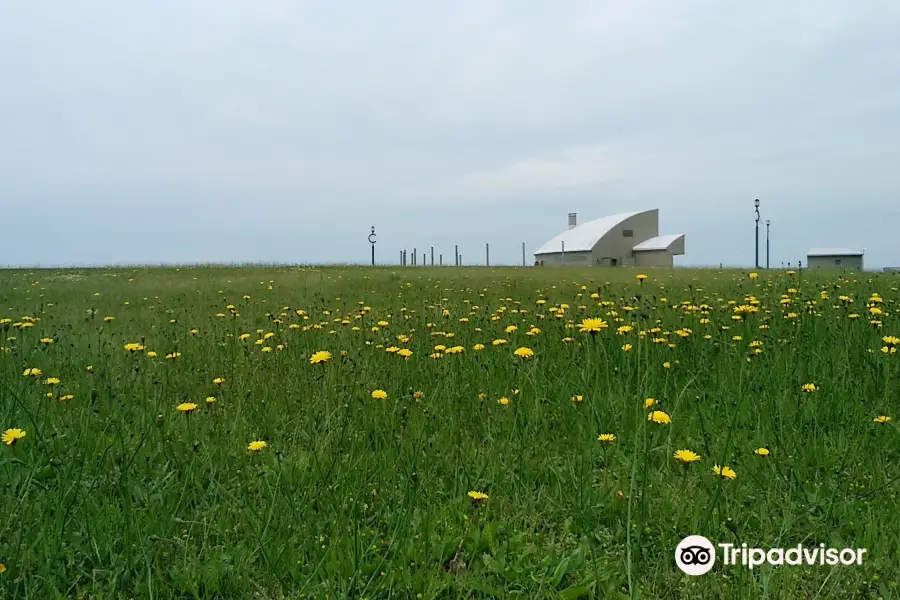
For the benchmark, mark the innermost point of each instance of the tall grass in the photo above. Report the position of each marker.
(116, 494)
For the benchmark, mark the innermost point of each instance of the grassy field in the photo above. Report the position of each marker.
(138, 475)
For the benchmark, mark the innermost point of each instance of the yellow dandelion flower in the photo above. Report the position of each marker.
(882, 419)
(477, 497)
(725, 472)
(606, 438)
(658, 416)
(320, 357)
(186, 407)
(218, 381)
(379, 395)
(11, 436)
(649, 402)
(524, 352)
(503, 401)
(256, 446)
(761, 451)
(809, 387)
(686, 457)
(592, 325)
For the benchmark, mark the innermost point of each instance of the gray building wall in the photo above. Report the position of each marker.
(653, 258)
(580, 259)
(837, 261)
(616, 246)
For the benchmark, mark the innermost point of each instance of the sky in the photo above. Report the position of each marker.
(229, 131)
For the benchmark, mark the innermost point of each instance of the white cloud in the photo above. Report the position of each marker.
(575, 167)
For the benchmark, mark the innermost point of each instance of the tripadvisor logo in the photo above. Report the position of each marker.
(696, 555)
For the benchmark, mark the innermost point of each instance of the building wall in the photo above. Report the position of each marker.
(653, 258)
(615, 246)
(834, 262)
(579, 259)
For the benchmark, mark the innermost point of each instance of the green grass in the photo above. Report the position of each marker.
(115, 494)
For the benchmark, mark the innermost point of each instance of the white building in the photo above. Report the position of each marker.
(835, 258)
(626, 239)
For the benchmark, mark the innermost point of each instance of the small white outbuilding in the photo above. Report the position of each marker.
(835, 258)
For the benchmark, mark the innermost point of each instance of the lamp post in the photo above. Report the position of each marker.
(756, 206)
(372, 243)
(768, 222)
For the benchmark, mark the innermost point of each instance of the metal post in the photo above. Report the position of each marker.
(456, 254)
(768, 222)
(401, 258)
(756, 207)
(460, 260)
(432, 256)
(487, 255)
(372, 243)
(523, 254)
(415, 256)
(440, 260)
(562, 256)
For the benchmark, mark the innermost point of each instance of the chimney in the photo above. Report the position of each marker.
(573, 220)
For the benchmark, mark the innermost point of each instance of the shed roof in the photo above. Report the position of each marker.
(835, 252)
(660, 242)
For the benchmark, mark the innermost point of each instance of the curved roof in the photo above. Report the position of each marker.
(834, 252)
(660, 242)
(584, 237)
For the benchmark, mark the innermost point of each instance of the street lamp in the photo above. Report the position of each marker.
(372, 243)
(768, 222)
(756, 206)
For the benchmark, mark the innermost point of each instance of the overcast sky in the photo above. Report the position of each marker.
(281, 130)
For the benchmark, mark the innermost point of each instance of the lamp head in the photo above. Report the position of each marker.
(756, 203)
